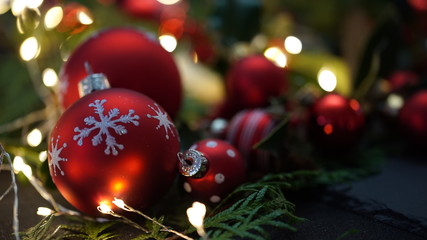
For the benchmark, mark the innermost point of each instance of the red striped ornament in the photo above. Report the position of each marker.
(246, 129)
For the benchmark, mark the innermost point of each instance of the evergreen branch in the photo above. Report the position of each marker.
(39, 231)
(89, 230)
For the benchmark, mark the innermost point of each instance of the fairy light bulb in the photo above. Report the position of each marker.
(104, 208)
(168, 42)
(4, 6)
(293, 45)
(17, 7)
(43, 156)
(50, 78)
(168, 2)
(196, 214)
(275, 55)
(84, 18)
(29, 49)
(44, 211)
(34, 3)
(327, 80)
(19, 165)
(34, 138)
(53, 17)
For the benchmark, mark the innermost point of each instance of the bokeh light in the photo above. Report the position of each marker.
(293, 45)
(168, 42)
(50, 78)
(275, 55)
(327, 80)
(29, 49)
(53, 17)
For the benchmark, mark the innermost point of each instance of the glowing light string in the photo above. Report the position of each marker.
(122, 205)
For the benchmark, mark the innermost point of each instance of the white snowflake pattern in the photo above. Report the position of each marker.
(163, 120)
(104, 123)
(54, 156)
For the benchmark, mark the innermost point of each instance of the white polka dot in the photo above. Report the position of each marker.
(194, 146)
(187, 187)
(231, 153)
(215, 199)
(211, 144)
(219, 178)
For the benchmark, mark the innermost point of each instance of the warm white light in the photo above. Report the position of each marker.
(119, 203)
(43, 156)
(275, 55)
(18, 6)
(168, 42)
(327, 79)
(293, 45)
(34, 3)
(84, 18)
(18, 163)
(34, 138)
(53, 17)
(29, 49)
(395, 101)
(50, 78)
(104, 208)
(196, 214)
(168, 2)
(20, 166)
(4, 6)
(44, 211)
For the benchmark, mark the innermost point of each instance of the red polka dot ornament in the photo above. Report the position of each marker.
(113, 143)
(335, 122)
(213, 169)
(130, 59)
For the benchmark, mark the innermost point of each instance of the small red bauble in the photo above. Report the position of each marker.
(71, 21)
(246, 129)
(413, 117)
(335, 122)
(130, 59)
(251, 83)
(403, 80)
(216, 169)
(113, 143)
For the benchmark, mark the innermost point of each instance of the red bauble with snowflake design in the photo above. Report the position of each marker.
(113, 143)
(214, 168)
(335, 122)
(246, 129)
(130, 59)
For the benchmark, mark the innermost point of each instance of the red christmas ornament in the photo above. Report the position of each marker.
(251, 83)
(335, 122)
(130, 59)
(413, 118)
(113, 143)
(246, 129)
(214, 168)
(402, 80)
(72, 21)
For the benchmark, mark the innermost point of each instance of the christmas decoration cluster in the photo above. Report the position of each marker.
(166, 102)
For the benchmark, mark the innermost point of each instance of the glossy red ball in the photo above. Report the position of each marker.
(252, 82)
(226, 171)
(113, 143)
(130, 59)
(413, 118)
(335, 122)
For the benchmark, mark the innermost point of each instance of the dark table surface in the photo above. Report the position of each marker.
(390, 205)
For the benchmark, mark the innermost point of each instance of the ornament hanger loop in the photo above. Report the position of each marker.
(93, 82)
(192, 163)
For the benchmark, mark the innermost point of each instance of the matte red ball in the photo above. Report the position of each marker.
(246, 129)
(336, 122)
(113, 143)
(226, 171)
(402, 80)
(251, 83)
(413, 118)
(130, 59)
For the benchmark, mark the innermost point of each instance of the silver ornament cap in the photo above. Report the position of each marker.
(93, 82)
(192, 163)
